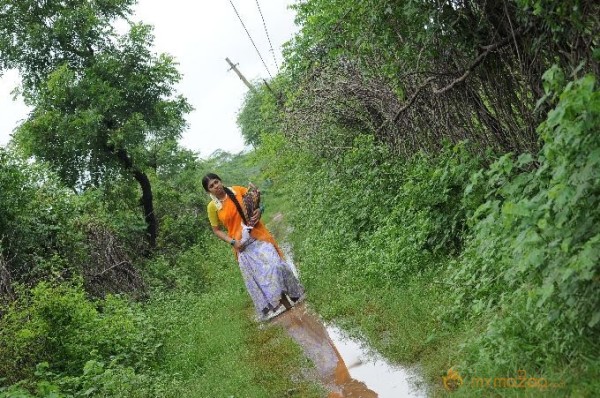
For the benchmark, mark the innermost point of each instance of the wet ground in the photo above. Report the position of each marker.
(345, 366)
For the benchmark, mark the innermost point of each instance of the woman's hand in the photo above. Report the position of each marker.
(239, 246)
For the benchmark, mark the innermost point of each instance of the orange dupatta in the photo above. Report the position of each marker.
(232, 220)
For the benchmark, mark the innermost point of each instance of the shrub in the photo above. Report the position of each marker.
(534, 255)
(59, 325)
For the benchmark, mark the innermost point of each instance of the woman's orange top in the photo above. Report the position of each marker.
(232, 220)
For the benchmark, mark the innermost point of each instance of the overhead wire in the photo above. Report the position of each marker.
(267, 33)
(250, 37)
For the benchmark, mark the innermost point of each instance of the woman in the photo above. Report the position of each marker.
(268, 278)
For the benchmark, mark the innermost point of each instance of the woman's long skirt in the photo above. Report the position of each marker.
(267, 276)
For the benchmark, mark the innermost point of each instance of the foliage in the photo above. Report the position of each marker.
(417, 73)
(180, 198)
(36, 37)
(565, 20)
(49, 232)
(487, 262)
(100, 100)
(184, 271)
(120, 101)
(511, 240)
(392, 218)
(259, 113)
(60, 326)
(36, 235)
(534, 252)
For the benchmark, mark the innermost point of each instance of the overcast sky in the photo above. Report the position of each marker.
(200, 37)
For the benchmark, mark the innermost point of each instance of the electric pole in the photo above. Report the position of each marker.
(242, 78)
(250, 86)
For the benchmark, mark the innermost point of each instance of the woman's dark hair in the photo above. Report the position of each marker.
(207, 178)
(236, 203)
(213, 176)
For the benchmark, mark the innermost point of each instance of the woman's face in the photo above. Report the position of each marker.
(215, 187)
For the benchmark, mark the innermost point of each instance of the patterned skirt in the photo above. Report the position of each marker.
(267, 276)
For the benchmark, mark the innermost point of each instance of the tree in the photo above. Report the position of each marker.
(37, 36)
(99, 100)
(418, 73)
(258, 114)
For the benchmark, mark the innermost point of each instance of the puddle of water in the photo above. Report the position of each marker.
(345, 366)
(389, 381)
(368, 376)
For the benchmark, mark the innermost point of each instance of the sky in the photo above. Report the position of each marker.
(199, 37)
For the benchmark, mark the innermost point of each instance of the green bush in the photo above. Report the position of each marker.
(60, 326)
(35, 230)
(532, 264)
(426, 219)
(388, 217)
(185, 270)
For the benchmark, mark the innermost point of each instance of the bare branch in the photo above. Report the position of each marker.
(414, 97)
(488, 49)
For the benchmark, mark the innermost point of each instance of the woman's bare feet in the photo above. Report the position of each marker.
(285, 302)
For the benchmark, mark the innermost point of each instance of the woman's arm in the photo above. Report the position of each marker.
(223, 236)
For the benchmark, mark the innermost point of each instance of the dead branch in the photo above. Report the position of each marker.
(413, 98)
(110, 270)
(488, 49)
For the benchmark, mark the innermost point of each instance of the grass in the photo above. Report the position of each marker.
(403, 322)
(214, 348)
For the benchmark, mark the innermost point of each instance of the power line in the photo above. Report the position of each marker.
(267, 33)
(250, 37)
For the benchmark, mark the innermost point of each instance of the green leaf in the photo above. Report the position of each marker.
(524, 159)
(545, 292)
(518, 209)
(594, 320)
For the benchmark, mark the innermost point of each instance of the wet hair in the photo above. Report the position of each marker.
(213, 176)
(207, 178)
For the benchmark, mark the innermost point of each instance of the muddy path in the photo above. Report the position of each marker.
(345, 366)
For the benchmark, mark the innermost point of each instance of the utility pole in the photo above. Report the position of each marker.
(250, 86)
(242, 78)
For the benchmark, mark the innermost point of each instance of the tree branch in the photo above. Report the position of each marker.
(413, 98)
(488, 49)
(99, 274)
